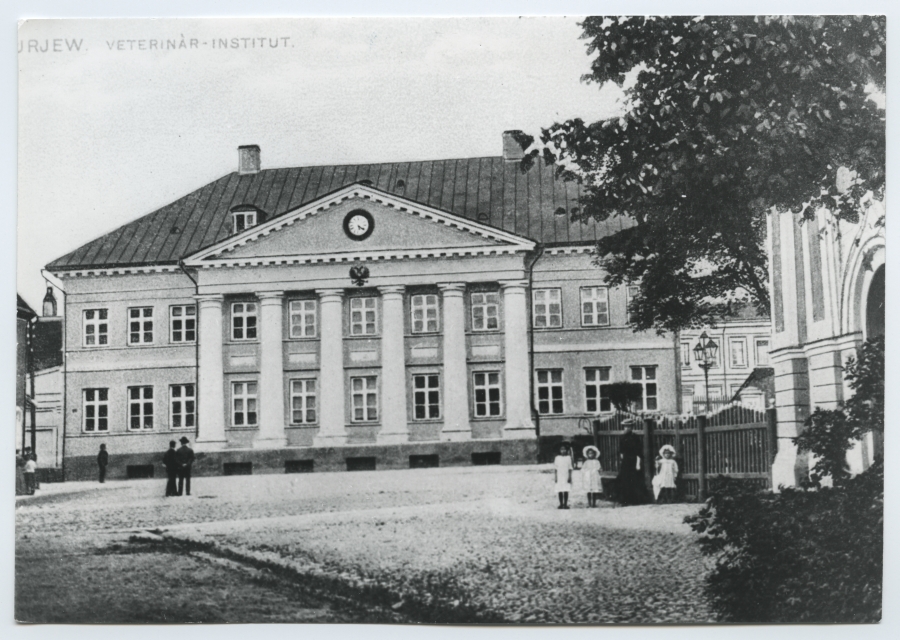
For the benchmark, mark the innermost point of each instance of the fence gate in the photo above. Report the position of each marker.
(738, 442)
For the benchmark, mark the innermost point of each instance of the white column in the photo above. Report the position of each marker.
(331, 369)
(518, 371)
(210, 375)
(271, 372)
(456, 379)
(393, 367)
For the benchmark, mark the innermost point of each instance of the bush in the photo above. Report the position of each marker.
(810, 555)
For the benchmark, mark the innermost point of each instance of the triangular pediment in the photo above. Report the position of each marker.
(398, 225)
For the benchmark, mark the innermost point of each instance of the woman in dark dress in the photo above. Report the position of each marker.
(630, 481)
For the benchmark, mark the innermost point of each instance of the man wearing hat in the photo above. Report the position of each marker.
(185, 460)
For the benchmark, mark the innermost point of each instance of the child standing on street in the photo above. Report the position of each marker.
(590, 475)
(666, 473)
(562, 465)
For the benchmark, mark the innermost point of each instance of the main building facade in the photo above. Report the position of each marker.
(368, 316)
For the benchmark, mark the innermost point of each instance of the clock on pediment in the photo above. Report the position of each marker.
(359, 224)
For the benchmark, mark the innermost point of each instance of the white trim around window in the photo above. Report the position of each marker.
(424, 313)
(95, 327)
(646, 377)
(244, 403)
(95, 410)
(303, 316)
(182, 406)
(304, 408)
(363, 316)
(549, 389)
(140, 325)
(426, 396)
(594, 306)
(488, 394)
(183, 323)
(738, 358)
(364, 399)
(140, 408)
(485, 310)
(546, 308)
(244, 321)
(596, 398)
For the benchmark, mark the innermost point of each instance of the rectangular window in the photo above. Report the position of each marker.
(183, 322)
(631, 293)
(685, 355)
(365, 398)
(244, 220)
(423, 311)
(737, 349)
(547, 308)
(487, 394)
(594, 306)
(596, 392)
(426, 396)
(762, 353)
(646, 377)
(244, 404)
(95, 409)
(362, 317)
(303, 318)
(140, 408)
(182, 406)
(96, 327)
(303, 401)
(549, 391)
(140, 325)
(243, 321)
(485, 311)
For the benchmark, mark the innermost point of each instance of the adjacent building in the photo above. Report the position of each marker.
(827, 289)
(349, 317)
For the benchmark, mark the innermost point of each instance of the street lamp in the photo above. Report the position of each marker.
(705, 354)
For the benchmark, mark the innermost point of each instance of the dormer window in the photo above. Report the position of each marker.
(245, 216)
(244, 220)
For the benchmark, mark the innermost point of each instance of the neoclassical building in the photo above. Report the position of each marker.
(827, 288)
(348, 317)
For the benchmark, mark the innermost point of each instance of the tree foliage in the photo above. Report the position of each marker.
(624, 394)
(728, 118)
(829, 434)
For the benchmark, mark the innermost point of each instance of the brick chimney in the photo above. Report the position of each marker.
(248, 159)
(512, 151)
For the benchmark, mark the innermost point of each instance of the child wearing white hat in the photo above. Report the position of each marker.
(666, 473)
(590, 474)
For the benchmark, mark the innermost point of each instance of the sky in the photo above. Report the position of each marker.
(118, 118)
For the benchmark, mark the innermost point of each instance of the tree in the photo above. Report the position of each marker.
(728, 118)
(623, 394)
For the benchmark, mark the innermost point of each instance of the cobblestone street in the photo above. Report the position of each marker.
(484, 540)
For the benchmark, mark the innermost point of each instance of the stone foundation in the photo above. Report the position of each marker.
(284, 460)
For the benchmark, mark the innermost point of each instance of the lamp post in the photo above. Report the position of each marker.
(705, 353)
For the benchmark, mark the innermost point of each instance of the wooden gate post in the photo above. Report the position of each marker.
(648, 453)
(701, 458)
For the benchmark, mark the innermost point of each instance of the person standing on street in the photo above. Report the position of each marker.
(170, 461)
(186, 460)
(630, 481)
(30, 470)
(102, 461)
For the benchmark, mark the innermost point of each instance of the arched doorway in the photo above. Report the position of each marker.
(875, 305)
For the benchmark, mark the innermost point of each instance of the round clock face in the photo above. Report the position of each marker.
(358, 225)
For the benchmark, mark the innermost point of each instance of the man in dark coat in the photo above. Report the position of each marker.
(170, 460)
(186, 460)
(102, 462)
(630, 481)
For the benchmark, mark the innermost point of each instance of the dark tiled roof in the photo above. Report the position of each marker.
(23, 310)
(489, 190)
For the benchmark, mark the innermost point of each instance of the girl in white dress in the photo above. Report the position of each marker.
(666, 473)
(562, 475)
(590, 475)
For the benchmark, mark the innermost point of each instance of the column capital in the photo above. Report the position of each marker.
(207, 298)
(513, 284)
(392, 290)
(263, 295)
(452, 287)
(330, 295)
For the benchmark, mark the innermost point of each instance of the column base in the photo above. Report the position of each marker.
(210, 445)
(518, 430)
(270, 443)
(338, 440)
(790, 467)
